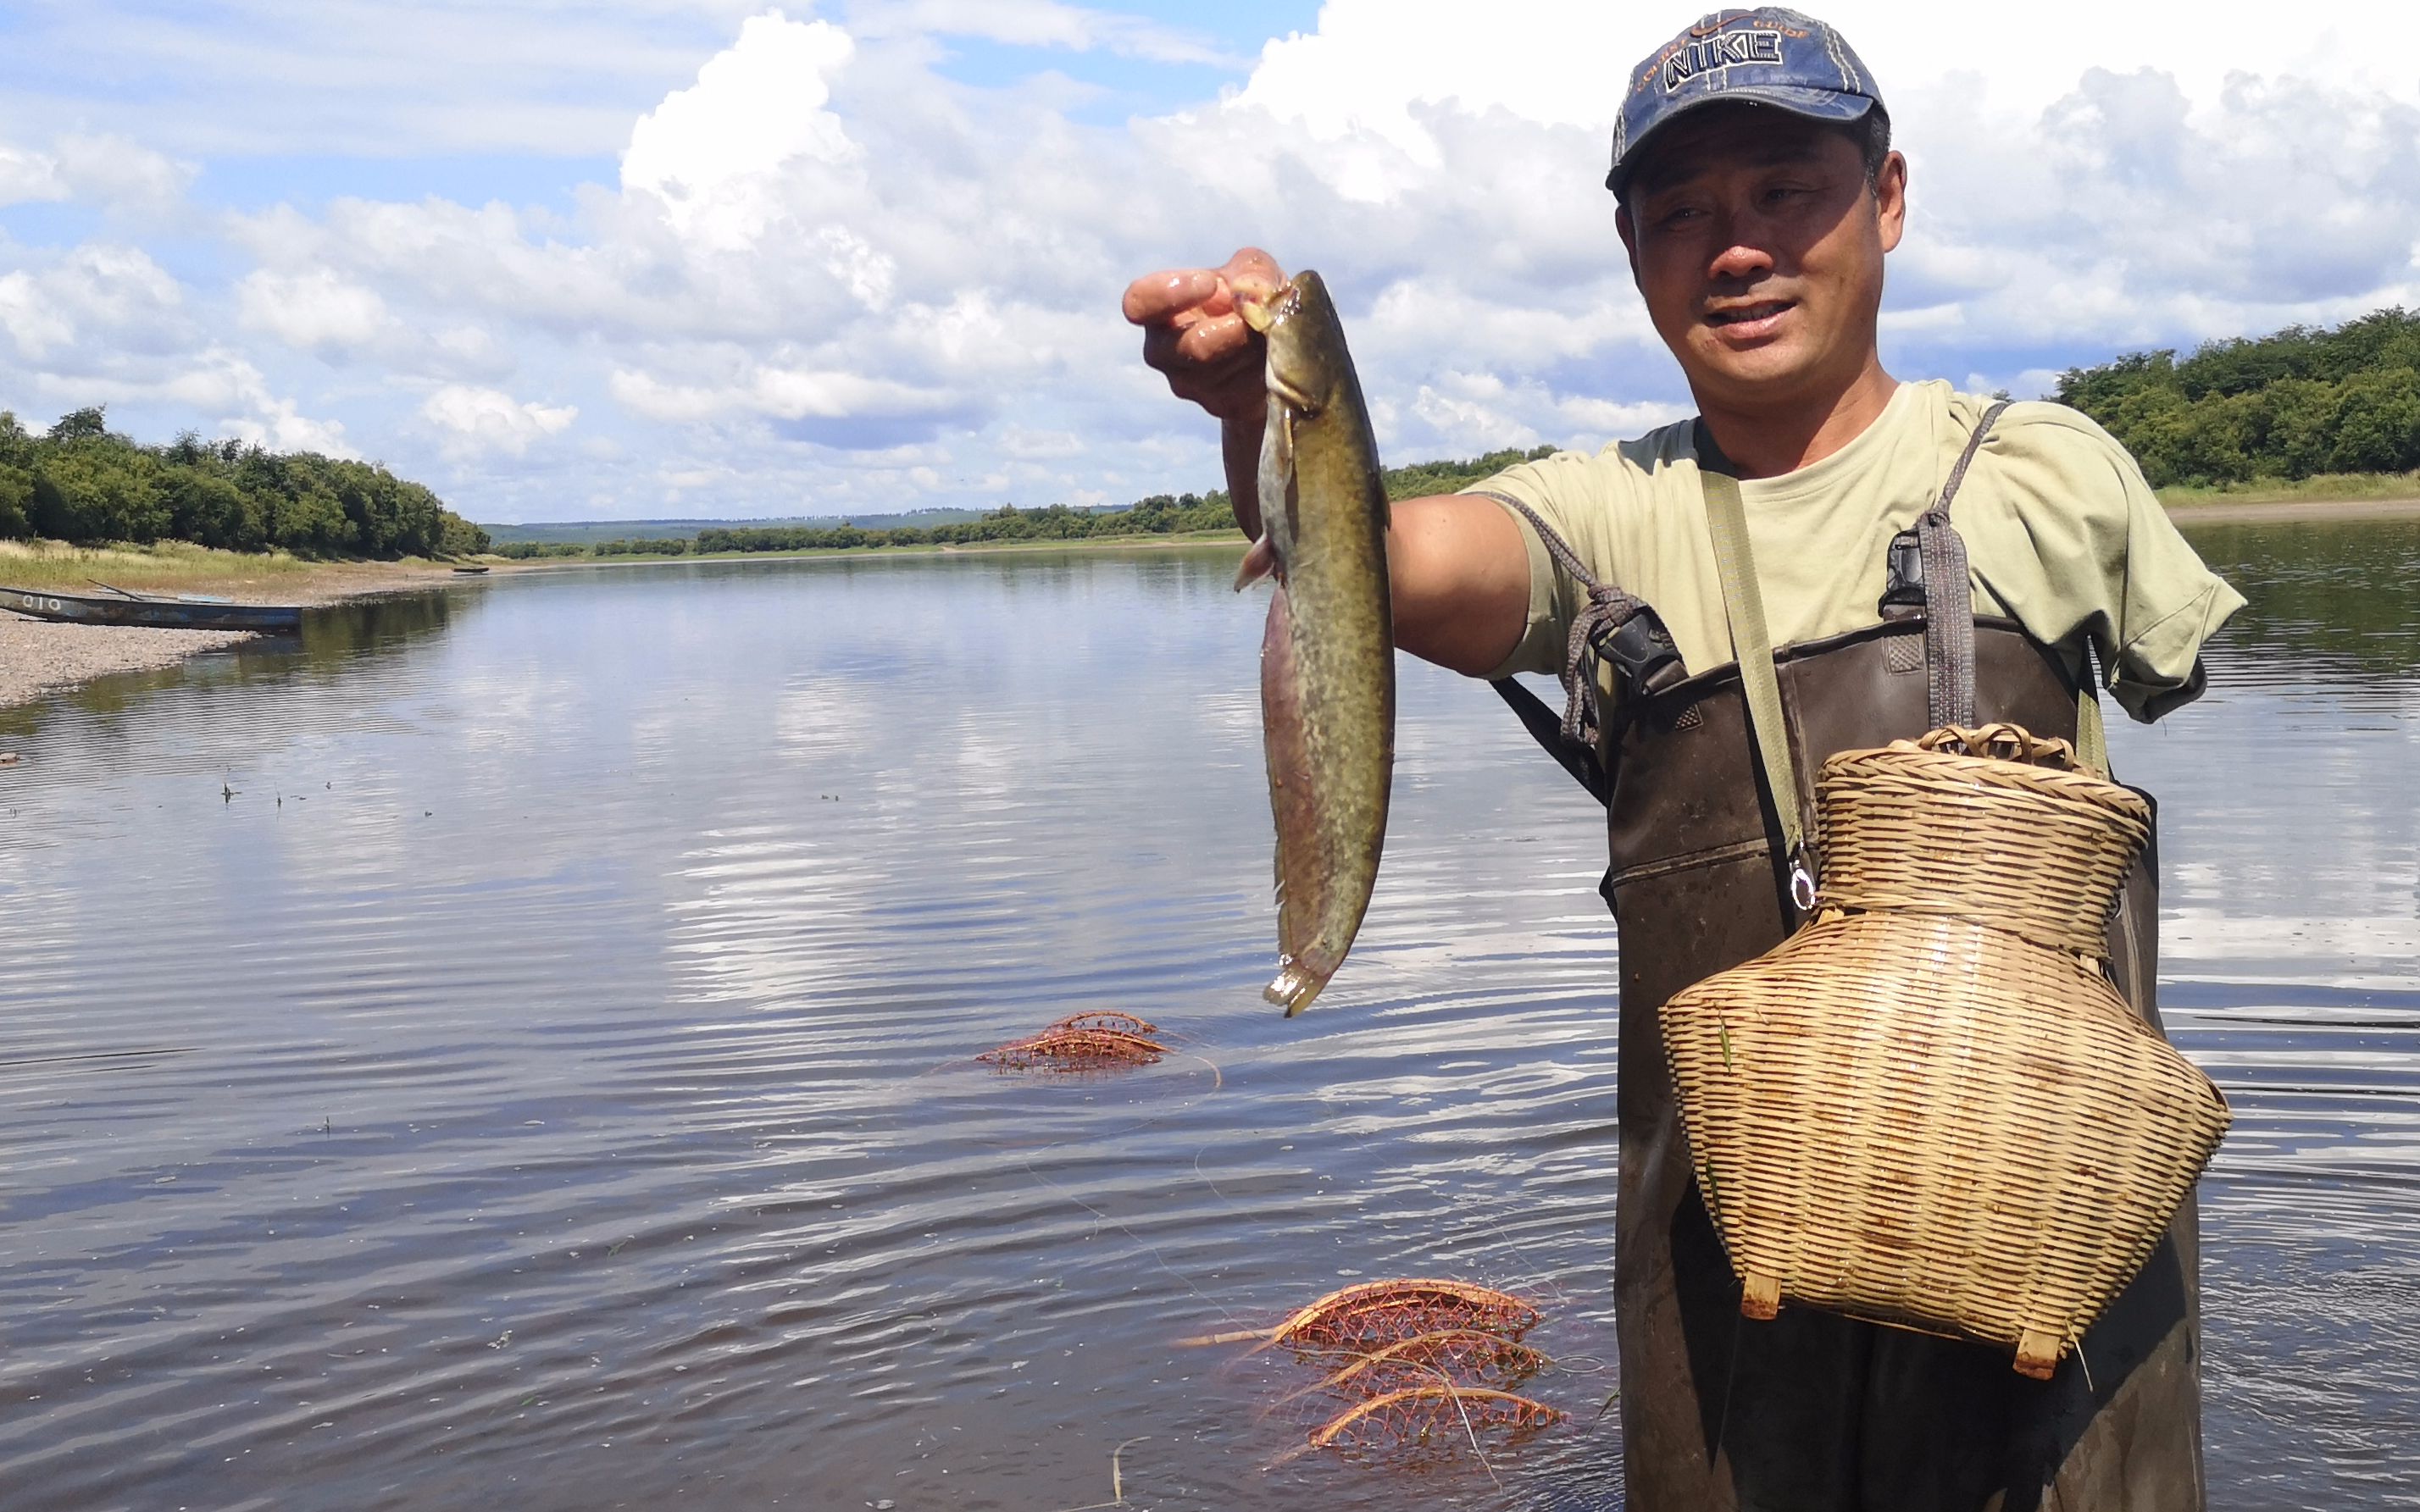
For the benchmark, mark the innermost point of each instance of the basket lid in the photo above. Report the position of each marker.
(1991, 824)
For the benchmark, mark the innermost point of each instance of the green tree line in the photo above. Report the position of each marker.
(1159, 514)
(2303, 401)
(83, 483)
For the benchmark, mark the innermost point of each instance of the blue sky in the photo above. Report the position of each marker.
(698, 258)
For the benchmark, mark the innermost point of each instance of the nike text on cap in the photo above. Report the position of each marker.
(1766, 57)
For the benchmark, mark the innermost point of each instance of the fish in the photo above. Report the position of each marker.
(1327, 652)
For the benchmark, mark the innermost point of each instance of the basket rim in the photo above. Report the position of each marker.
(1904, 763)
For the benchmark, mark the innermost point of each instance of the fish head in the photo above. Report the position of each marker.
(1298, 322)
(1259, 302)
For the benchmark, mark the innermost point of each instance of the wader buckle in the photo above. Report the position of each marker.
(1641, 649)
(1904, 595)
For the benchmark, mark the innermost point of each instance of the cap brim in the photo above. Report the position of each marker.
(1814, 105)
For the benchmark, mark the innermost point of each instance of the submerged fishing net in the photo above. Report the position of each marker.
(1377, 1313)
(1435, 1418)
(1419, 1365)
(1114, 1023)
(1082, 1041)
(1450, 1356)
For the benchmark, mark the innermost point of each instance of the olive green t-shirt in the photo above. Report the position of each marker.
(2062, 535)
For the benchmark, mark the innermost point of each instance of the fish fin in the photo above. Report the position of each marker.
(1259, 563)
(1303, 874)
(1293, 395)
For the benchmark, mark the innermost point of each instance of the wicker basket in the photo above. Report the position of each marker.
(1929, 1106)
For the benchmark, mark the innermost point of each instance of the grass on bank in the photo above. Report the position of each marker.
(2391, 489)
(179, 566)
(2320, 488)
(583, 557)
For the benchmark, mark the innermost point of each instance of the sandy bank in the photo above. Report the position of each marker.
(40, 656)
(2293, 511)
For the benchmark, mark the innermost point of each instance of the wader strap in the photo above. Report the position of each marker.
(1752, 646)
(1949, 620)
(1949, 599)
(1546, 729)
(1573, 742)
(2091, 741)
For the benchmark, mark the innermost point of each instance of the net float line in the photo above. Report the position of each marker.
(1377, 1312)
(1116, 1022)
(1418, 1414)
(1064, 1049)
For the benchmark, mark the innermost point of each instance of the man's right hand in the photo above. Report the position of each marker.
(1192, 334)
(1459, 568)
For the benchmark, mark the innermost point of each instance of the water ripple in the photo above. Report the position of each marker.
(523, 1054)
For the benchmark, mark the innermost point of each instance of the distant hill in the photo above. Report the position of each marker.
(1401, 482)
(591, 532)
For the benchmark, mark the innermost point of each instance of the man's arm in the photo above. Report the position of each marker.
(1457, 568)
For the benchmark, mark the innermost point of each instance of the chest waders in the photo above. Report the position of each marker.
(1704, 777)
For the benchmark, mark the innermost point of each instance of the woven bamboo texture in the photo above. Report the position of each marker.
(1929, 1106)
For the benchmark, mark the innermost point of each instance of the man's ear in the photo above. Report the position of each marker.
(1890, 199)
(1629, 230)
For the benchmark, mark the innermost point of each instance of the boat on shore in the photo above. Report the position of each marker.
(153, 611)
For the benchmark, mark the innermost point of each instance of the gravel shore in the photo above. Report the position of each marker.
(37, 657)
(41, 657)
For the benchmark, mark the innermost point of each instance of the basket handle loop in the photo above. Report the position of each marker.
(2005, 741)
(1948, 598)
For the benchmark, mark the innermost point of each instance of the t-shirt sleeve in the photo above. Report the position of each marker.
(1555, 487)
(2113, 567)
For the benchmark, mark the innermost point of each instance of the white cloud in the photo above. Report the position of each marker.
(1037, 23)
(842, 408)
(27, 176)
(107, 172)
(277, 426)
(713, 155)
(1563, 62)
(99, 291)
(827, 271)
(475, 421)
(34, 326)
(313, 311)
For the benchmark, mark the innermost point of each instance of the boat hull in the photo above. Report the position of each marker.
(155, 613)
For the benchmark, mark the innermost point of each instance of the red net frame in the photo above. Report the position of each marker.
(1379, 1313)
(1434, 1417)
(1071, 1046)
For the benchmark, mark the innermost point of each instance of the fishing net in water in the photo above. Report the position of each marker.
(1379, 1313)
(1082, 1041)
(1449, 1356)
(1112, 1023)
(1410, 1367)
(1434, 1418)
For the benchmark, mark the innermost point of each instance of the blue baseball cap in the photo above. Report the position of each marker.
(1765, 56)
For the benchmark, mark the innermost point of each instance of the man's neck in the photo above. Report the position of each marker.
(1767, 442)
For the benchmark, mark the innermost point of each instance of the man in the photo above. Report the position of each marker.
(1758, 198)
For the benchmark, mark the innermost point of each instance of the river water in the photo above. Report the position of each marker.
(515, 1051)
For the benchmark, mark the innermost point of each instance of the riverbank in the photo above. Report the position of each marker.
(923, 548)
(40, 656)
(2187, 507)
(2220, 510)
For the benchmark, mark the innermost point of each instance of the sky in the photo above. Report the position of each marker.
(693, 258)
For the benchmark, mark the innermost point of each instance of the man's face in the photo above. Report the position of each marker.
(1759, 247)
